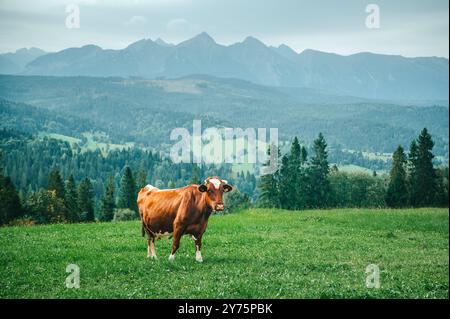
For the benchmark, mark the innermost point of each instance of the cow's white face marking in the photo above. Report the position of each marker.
(150, 187)
(216, 182)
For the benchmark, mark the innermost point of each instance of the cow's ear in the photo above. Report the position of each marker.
(202, 188)
(227, 188)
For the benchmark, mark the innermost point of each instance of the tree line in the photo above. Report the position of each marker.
(65, 201)
(413, 179)
(83, 186)
(48, 180)
(302, 183)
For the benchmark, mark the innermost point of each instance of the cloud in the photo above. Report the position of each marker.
(136, 20)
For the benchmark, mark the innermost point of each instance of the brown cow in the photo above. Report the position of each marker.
(180, 211)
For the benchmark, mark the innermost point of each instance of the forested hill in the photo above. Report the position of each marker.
(145, 111)
(28, 160)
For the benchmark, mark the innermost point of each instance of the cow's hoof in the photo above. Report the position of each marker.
(199, 259)
(171, 257)
(152, 257)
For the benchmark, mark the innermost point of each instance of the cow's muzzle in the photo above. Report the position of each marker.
(219, 207)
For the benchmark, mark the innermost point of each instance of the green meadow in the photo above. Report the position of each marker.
(257, 253)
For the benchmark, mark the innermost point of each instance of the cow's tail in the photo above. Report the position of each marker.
(143, 230)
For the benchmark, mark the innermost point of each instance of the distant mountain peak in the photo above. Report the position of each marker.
(312, 52)
(286, 51)
(204, 35)
(138, 45)
(91, 47)
(163, 43)
(286, 47)
(15, 62)
(253, 41)
(202, 38)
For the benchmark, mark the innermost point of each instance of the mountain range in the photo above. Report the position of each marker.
(15, 62)
(367, 75)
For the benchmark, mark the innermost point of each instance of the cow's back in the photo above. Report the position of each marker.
(158, 208)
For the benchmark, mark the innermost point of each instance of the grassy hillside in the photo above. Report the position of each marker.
(256, 253)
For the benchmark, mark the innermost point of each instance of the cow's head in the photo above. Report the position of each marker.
(214, 188)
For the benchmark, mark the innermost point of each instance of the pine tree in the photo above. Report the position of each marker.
(108, 202)
(303, 181)
(320, 189)
(195, 176)
(85, 200)
(397, 193)
(413, 183)
(286, 196)
(141, 179)
(71, 200)
(442, 193)
(294, 171)
(127, 193)
(10, 206)
(269, 190)
(55, 183)
(423, 177)
(45, 207)
(303, 155)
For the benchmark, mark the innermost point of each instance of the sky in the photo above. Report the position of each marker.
(406, 27)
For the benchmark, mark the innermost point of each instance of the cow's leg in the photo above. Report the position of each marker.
(198, 247)
(150, 241)
(177, 233)
(151, 247)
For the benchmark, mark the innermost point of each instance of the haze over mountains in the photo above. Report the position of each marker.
(366, 75)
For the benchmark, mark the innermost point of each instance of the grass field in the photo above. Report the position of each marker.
(252, 254)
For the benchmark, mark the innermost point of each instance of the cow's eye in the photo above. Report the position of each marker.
(210, 192)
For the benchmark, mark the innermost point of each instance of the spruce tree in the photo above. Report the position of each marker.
(320, 189)
(286, 195)
(45, 207)
(55, 183)
(195, 176)
(269, 190)
(85, 200)
(71, 200)
(303, 181)
(294, 180)
(303, 155)
(443, 185)
(108, 202)
(127, 193)
(141, 179)
(397, 192)
(423, 177)
(10, 206)
(412, 180)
